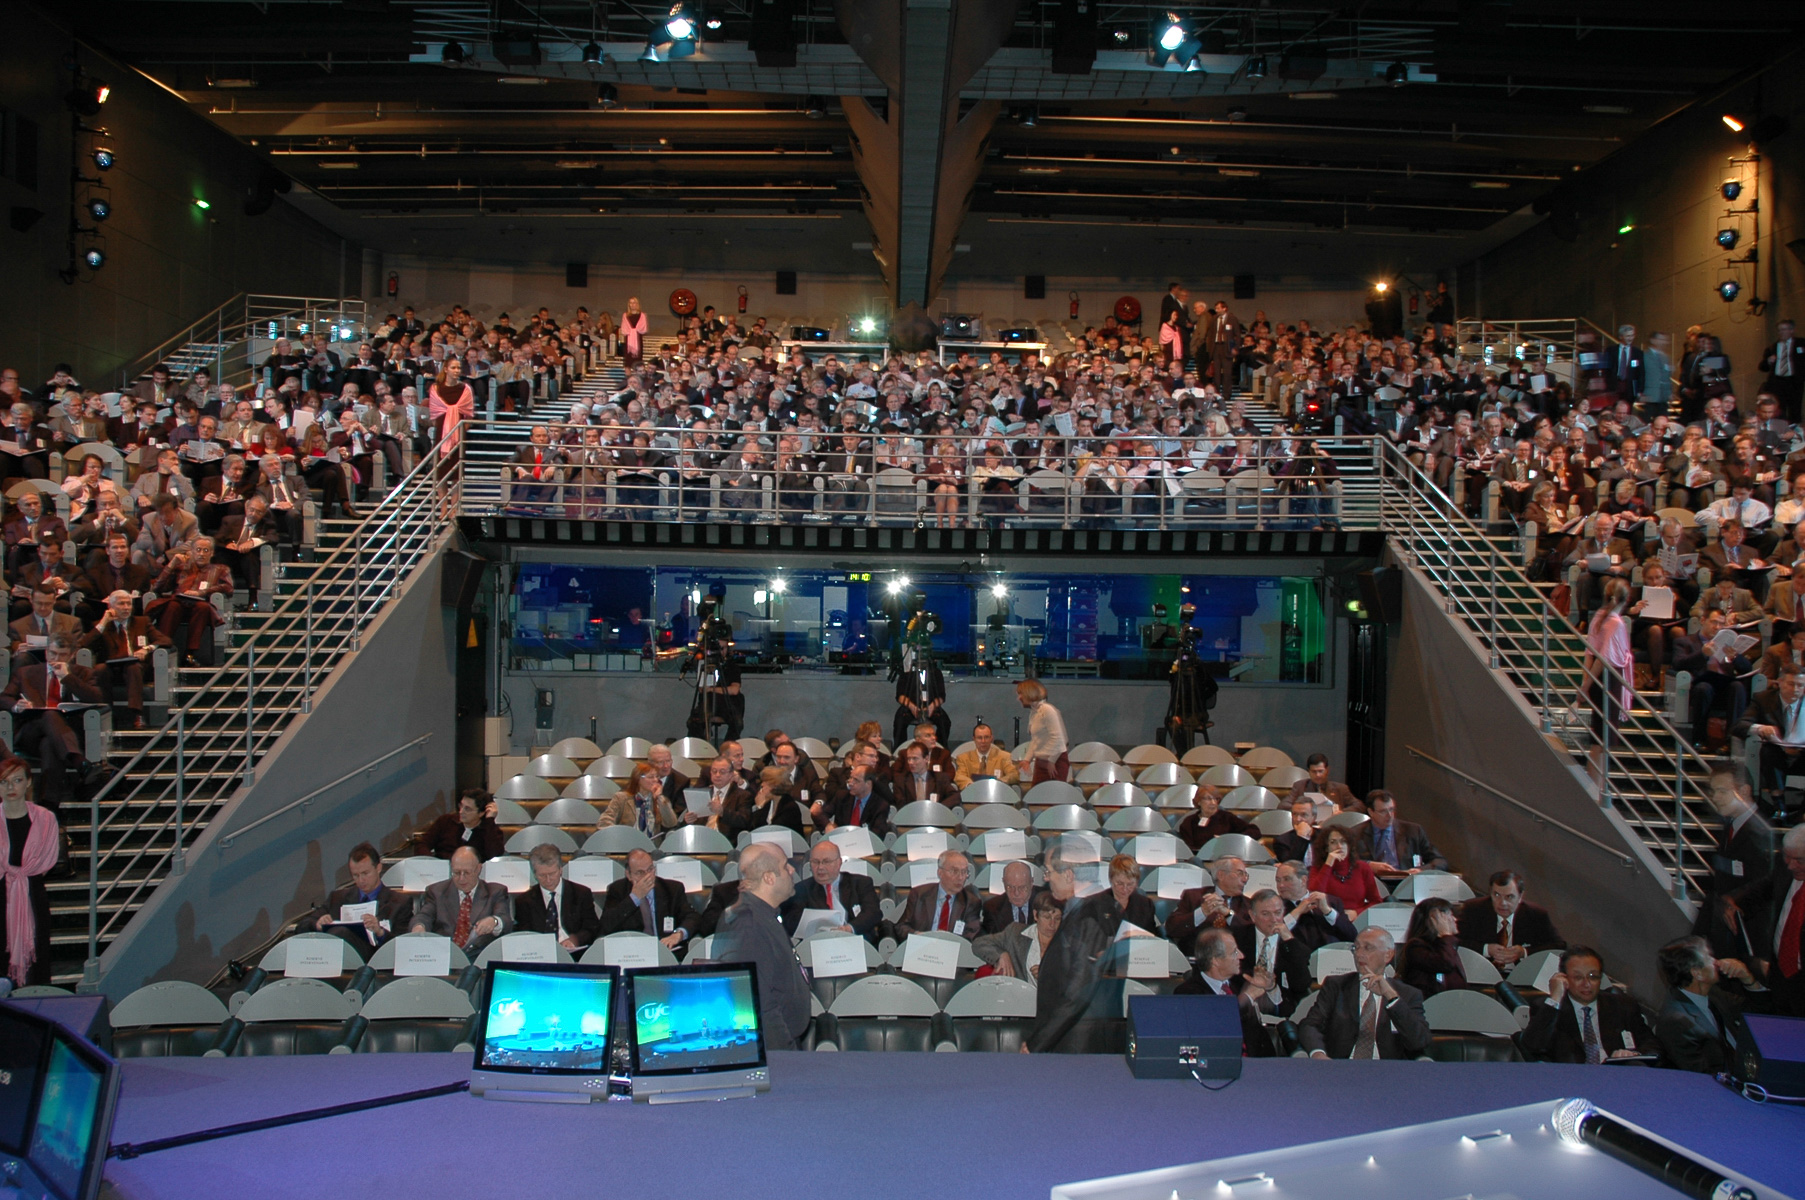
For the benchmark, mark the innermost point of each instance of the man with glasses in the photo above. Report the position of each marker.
(1579, 1022)
(951, 905)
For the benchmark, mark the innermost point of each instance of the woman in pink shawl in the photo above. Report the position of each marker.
(633, 328)
(449, 403)
(1608, 669)
(28, 847)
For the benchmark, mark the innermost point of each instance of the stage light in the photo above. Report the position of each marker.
(592, 54)
(1729, 289)
(814, 108)
(1627, 227)
(1381, 287)
(94, 257)
(678, 31)
(1397, 74)
(998, 590)
(452, 54)
(1121, 36)
(1727, 238)
(607, 95)
(1734, 123)
(86, 97)
(202, 205)
(101, 92)
(103, 159)
(1173, 35)
(759, 595)
(1176, 43)
(1731, 189)
(99, 209)
(779, 586)
(714, 22)
(1030, 116)
(1256, 67)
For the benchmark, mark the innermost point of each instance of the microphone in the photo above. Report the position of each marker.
(1578, 1122)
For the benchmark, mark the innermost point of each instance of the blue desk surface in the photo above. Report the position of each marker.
(866, 1125)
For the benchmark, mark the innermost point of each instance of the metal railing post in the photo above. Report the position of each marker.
(250, 710)
(307, 653)
(1492, 620)
(90, 969)
(178, 858)
(1547, 720)
(1605, 702)
(357, 582)
(1679, 818)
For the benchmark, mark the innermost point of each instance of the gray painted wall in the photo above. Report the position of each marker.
(1297, 719)
(1445, 701)
(400, 685)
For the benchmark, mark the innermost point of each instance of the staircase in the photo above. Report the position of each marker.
(225, 339)
(1652, 778)
(503, 433)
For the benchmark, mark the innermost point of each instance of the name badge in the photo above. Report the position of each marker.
(959, 927)
(1736, 868)
(1416, 860)
(667, 925)
(1629, 1043)
(855, 910)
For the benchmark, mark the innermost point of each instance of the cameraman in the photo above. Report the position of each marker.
(718, 676)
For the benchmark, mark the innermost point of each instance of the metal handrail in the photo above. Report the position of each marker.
(375, 559)
(232, 322)
(1438, 537)
(1540, 817)
(226, 839)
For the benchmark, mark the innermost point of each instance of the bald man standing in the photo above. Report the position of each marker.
(752, 931)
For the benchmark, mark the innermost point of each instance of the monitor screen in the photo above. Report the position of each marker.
(21, 1055)
(548, 1019)
(690, 1020)
(69, 1116)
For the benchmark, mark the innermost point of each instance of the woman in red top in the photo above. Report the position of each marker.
(273, 441)
(1339, 874)
(319, 469)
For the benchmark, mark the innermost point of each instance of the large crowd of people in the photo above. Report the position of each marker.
(1252, 943)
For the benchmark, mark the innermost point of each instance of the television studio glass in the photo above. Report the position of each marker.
(696, 1033)
(547, 1033)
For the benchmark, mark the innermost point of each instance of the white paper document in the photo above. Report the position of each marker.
(315, 958)
(1175, 880)
(422, 954)
(417, 874)
(777, 837)
(1657, 603)
(1333, 960)
(630, 950)
(353, 914)
(1434, 885)
(512, 873)
(1261, 877)
(686, 871)
(837, 956)
(926, 843)
(695, 800)
(918, 873)
(593, 871)
(1149, 958)
(814, 920)
(1005, 845)
(1395, 921)
(1153, 851)
(530, 948)
(854, 841)
(937, 958)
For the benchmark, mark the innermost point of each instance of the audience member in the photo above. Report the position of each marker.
(752, 931)
(557, 905)
(122, 645)
(1210, 820)
(1579, 1022)
(1430, 961)
(39, 695)
(389, 910)
(950, 905)
(1505, 927)
(641, 805)
(849, 898)
(1773, 908)
(30, 844)
(466, 908)
(1217, 972)
(1294, 844)
(1319, 782)
(644, 903)
(472, 826)
(1011, 906)
(1364, 1014)
(1278, 955)
(1218, 906)
(1699, 1025)
(1340, 874)
(1394, 846)
(985, 760)
(1017, 949)
(1315, 918)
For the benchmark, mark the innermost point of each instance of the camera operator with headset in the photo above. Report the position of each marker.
(719, 699)
(920, 687)
(1192, 689)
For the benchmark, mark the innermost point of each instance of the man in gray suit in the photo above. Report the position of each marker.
(752, 931)
(1700, 1024)
(472, 913)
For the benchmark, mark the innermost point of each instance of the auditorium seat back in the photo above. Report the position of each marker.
(166, 1020)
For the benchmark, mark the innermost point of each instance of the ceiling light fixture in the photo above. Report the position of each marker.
(592, 54)
(1727, 238)
(1729, 289)
(1734, 123)
(452, 54)
(1256, 67)
(1397, 74)
(607, 95)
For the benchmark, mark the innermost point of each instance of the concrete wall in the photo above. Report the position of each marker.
(167, 260)
(1298, 719)
(400, 685)
(1446, 702)
(1661, 274)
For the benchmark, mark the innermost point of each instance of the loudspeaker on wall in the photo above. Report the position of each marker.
(786, 283)
(1035, 287)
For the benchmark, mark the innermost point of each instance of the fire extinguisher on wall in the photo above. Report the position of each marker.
(394, 284)
(742, 299)
(1074, 296)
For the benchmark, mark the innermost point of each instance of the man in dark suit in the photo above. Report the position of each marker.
(115, 571)
(800, 778)
(536, 469)
(1777, 717)
(850, 897)
(21, 530)
(1294, 845)
(644, 903)
(752, 931)
(952, 905)
(725, 788)
(1220, 906)
(1700, 1025)
(1222, 335)
(32, 632)
(1012, 905)
(1746, 850)
(393, 910)
(1581, 1023)
(1273, 950)
(1784, 362)
(1363, 1014)
(1319, 782)
(916, 779)
(1503, 926)
(1774, 909)
(1218, 972)
(557, 905)
(864, 800)
(1395, 846)
(469, 910)
(24, 447)
(42, 732)
(1623, 366)
(721, 897)
(50, 569)
(671, 782)
(1316, 919)
(122, 645)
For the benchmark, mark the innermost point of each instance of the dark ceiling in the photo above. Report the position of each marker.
(350, 98)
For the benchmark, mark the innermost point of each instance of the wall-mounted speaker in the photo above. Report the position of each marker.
(1244, 289)
(1382, 592)
(786, 283)
(1035, 287)
(576, 275)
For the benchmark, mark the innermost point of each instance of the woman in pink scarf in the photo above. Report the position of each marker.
(28, 846)
(449, 403)
(633, 328)
(1608, 669)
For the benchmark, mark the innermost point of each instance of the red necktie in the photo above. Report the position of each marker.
(53, 696)
(538, 464)
(461, 933)
(1789, 936)
(946, 922)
